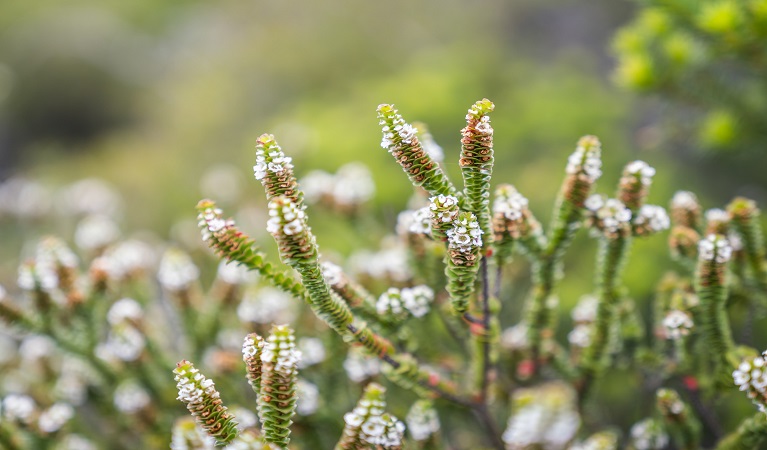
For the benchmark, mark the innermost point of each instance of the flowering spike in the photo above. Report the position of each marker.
(710, 284)
(745, 218)
(634, 184)
(610, 217)
(298, 249)
(685, 209)
(584, 167)
(223, 236)
(464, 245)
(717, 222)
(650, 219)
(443, 210)
(369, 425)
(275, 171)
(399, 138)
(203, 401)
(477, 163)
(513, 221)
(252, 347)
(279, 374)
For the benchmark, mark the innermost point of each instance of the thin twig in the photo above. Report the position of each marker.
(486, 327)
(494, 434)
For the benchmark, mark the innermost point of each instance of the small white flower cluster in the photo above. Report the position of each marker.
(51, 255)
(390, 303)
(96, 231)
(544, 416)
(714, 248)
(359, 366)
(417, 299)
(444, 208)
(24, 198)
(177, 271)
(270, 158)
(130, 397)
(389, 263)
(422, 420)
(285, 219)
(465, 236)
(126, 259)
(642, 171)
(676, 324)
(245, 417)
(421, 221)
(89, 196)
(510, 203)
(280, 350)
(684, 200)
(312, 351)
(235, 273)
(55, 417)
(211, 223)
(125, 310)
(751, 378)
(394, 129)
(19, 408)
(333, 273)
(73, 380)
(36, 346)
(610, 216)
(266, 305)
(648, 435)
(75, 442)
(515, 338)
(187, 435)
(194, 388)
(651, 219)
(124, 343)
(600, 441)
(717, 215)
(374, 425)
(351, 186)
(580, 335)
(308, 397)
(431, 147)
(483, 127)
(585, 162)
(585, 310)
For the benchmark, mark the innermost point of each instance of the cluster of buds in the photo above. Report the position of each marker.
(513, 221)
(609, 217)
(635, 184)
(685, 209)
(477, 162)
(751, 378)
(369, 424)
(464, 245)
(443, 210)
(279, 373)
(650, 219)
(287, 223)
(203, 401)
(715, 249)
(275, 170)
(395, 304)
(416, 222)
(584, 167)
(676, 324)
(401, 140)
(53, 273)
(177, 272)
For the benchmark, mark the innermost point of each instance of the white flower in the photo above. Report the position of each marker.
(332, 273)
(417, 299)
(586, 309)
(714, 248)
(19, 407)
(353, 185)
(510, 203)
(444, 208)
(653, 217)
(266, 305)
(390, 302)
(515, 338)
(421, 221)
(125, 309)
(465, 236)
(580, 336)
(130, 397)
(281, 351)
(308, 397)
(422, 421)
(677, 324)
(642, 171)
(55, 417)
(312, 351)
(96, 231)
(235, 273)
(177, 272)
(360, 367)
(35, 347)
(586, 162)
(648, 435)
(684, 200)
(717, 215)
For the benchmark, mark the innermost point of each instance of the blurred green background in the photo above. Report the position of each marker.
(150, 96)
